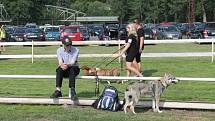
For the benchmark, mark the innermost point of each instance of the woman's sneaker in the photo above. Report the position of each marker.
(56, 94)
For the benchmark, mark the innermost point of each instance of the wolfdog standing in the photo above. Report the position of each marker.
(153, 88)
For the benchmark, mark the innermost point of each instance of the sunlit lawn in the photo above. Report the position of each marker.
(180, 67)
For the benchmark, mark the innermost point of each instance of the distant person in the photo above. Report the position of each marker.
(140, 35)
(2, 37)
(106, 35)
(131, 50)
(68, 67)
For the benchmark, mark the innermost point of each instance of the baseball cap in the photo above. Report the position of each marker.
(66, 41)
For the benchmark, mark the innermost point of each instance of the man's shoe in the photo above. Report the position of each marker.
(73, 94)
(56, 94)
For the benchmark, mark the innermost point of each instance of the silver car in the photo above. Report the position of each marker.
(168, 32)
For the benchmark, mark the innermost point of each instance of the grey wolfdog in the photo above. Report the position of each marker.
(153, 88)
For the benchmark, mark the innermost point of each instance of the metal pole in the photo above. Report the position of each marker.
(1, 17)
(212, 51)
(32, 52)
(97, 86)
(119, 51)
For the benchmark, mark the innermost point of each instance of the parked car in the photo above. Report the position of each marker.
(168, 32)
(52, 32)
(18, 34)
(209, 30)
(194, 34)
(84, 31)
(9, 31)
(31, 25)
(185, 27)
(203, 31)
(34, 34)
(99, 31)
(73, 32)
(91, 28)
(149, 34)
(122, 32)
(113, 28)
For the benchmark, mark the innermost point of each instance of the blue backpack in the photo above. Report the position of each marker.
(108, 100)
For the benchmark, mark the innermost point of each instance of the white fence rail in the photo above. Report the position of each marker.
(113, 42)
(188, 54)
(141, 104)
(107, 77)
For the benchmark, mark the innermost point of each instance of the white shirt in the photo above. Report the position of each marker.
(68, 57)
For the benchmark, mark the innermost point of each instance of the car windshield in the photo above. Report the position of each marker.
(210, 25)
(33, 30)
(200, 26)
(83, 30)
(147, 30)
(19, 30)
(9, 30)
(52, 29)
(114, 26)
(71, 30)
(170, 29)
(98, 28)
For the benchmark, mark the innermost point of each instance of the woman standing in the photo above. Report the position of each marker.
(131, 50)
(2, 38)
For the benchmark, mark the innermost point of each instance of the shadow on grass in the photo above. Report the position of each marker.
(142, 110)
(86, 94)
(4, 59)
(149, 72)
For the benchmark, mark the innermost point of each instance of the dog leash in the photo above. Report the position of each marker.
(111, 61)
(106, 58)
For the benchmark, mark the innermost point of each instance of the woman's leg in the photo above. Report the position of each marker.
(132, 68)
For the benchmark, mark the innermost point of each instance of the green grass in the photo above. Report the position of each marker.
(180, 67)
(107, 50)
(62, 113)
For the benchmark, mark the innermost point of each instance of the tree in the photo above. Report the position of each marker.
(98, 9)
(209, 9)
(20, 10)
(120, 8)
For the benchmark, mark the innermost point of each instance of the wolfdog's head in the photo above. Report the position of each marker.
(169, 79)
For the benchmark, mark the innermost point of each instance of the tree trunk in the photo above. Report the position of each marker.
(204, 12)
(176, 17)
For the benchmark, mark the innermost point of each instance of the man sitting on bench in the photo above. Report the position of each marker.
(68, 67)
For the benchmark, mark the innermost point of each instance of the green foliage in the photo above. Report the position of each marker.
(20, 9)
(98, 9)
(154, 11)
(95, 8)
(120, 8)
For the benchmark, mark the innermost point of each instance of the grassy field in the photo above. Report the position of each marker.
(180, 67)
(189, 47)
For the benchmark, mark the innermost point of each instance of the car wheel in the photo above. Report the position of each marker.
(188, 37)
(200, 37)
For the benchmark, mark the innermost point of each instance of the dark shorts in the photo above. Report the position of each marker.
(138, 57)
(130, 57)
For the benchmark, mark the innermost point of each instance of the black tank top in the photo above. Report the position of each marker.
(134, 47)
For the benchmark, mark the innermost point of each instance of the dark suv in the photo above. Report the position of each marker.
(209, 30)
(204, 31)
(112, 28)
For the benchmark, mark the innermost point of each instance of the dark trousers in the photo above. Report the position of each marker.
(71, 72)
